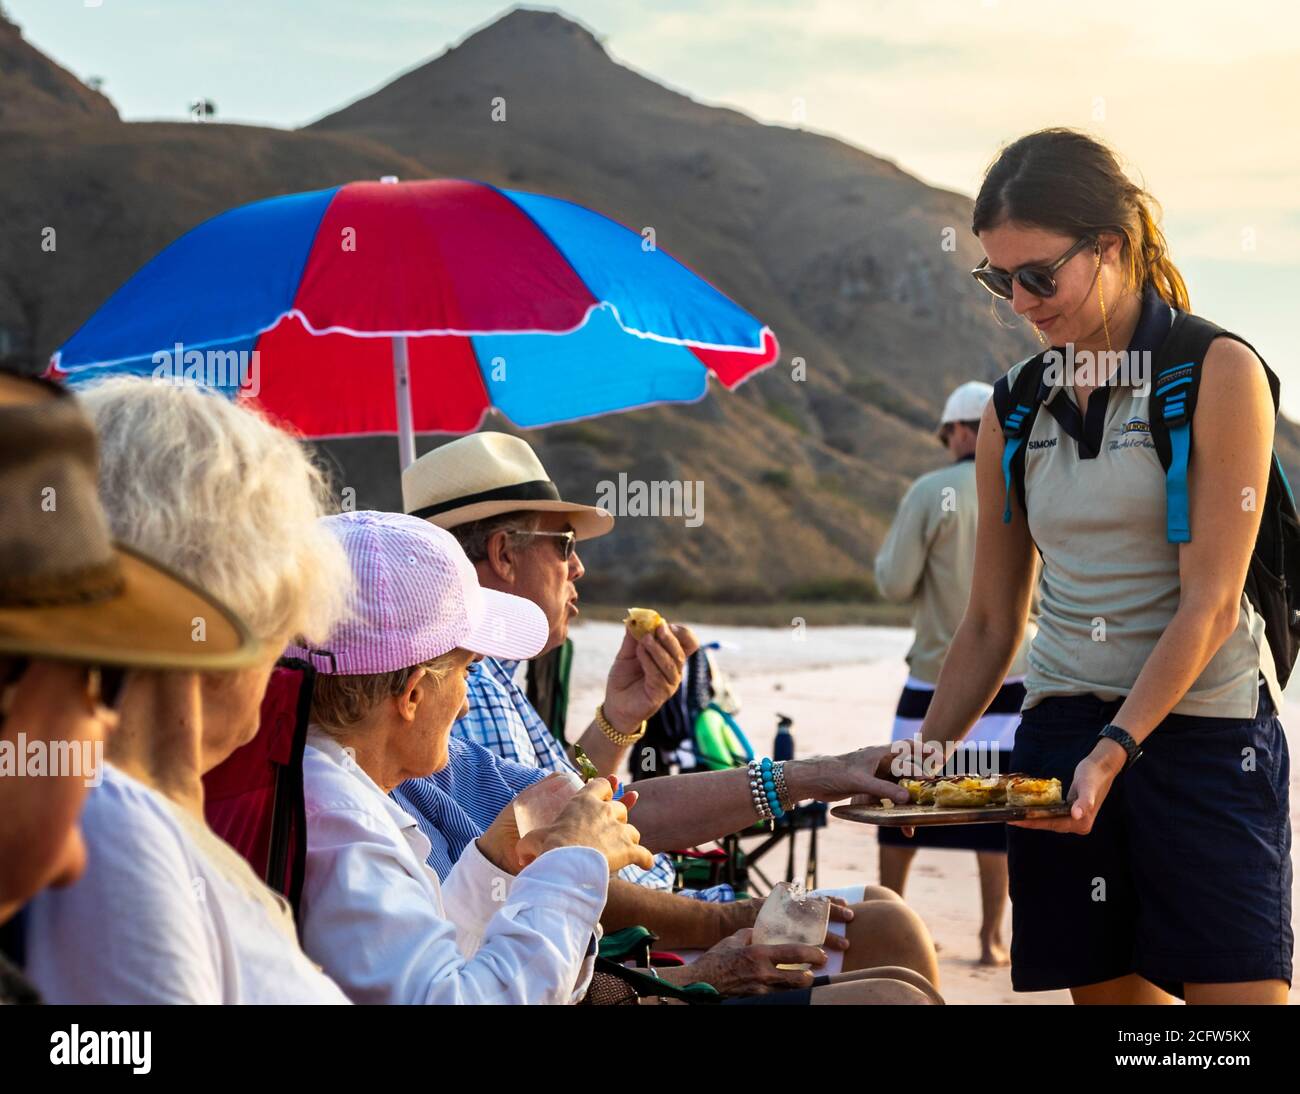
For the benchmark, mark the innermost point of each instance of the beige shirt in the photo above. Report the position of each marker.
(1110, 582)
(928, 560)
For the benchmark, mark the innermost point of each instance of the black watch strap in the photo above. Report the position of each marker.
(1124, 739)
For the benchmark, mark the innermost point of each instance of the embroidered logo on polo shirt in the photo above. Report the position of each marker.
(1134, 433)
(1049, 443)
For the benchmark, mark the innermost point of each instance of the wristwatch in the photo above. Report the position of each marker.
(622, 740)
(1124, 739)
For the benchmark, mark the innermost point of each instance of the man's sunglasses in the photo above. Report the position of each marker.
(567, 547)
(1035, 279)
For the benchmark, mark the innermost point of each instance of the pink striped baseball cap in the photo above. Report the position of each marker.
(415, 597)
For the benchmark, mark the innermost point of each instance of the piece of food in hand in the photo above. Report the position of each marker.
(586, 768)
(642, 621)
(1025, 790)
(969, 790)
(919, 790)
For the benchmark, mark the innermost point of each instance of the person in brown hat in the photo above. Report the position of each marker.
(231, 501)
(75, 609)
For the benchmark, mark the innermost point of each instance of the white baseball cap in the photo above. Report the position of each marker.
(415, 597)
(966, 403)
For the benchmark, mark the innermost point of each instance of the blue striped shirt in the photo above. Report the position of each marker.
(456, 805)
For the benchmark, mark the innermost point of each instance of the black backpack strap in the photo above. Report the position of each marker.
(1175, 388)
(1017, 407)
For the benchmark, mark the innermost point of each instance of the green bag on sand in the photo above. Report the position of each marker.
(719, 743)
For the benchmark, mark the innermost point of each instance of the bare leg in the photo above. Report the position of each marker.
(888, 932)
(1131, 990)
(1252, 992)
(993, 897)
(859, 993)
(895, 862)
(891, 972)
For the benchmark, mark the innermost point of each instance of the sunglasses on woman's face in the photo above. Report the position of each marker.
(1033, 278)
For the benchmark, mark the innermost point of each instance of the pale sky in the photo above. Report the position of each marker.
(1202, 99)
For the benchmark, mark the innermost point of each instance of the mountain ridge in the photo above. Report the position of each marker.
(840, 251)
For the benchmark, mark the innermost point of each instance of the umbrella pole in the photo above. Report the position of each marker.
(402, 391)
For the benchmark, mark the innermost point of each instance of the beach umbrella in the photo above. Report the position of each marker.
(410, 307)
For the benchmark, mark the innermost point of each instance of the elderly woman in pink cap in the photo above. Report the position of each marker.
(516, 919)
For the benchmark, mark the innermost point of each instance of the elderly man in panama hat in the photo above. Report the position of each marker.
(491, 491)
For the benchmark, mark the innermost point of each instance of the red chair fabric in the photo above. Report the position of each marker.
(254, 800)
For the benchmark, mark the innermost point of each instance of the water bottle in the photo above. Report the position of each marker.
(783, 746)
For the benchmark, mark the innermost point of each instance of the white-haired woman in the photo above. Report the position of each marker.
(166, 911)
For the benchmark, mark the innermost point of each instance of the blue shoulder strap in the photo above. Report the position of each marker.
(1176, 384)
(1016, 409)
(1173, 387)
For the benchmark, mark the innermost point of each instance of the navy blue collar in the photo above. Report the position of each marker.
(1153, 323)
(1154, 320)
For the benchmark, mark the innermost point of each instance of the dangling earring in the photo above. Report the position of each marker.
(1101, 299)
(1042, 338)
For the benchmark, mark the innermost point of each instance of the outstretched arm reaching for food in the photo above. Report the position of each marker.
(685, 810)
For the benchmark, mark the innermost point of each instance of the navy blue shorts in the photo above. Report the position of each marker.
(1186, 874)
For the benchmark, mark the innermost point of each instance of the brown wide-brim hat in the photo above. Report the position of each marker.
(68, 592)
(486, 474)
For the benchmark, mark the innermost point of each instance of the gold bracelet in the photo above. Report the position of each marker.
(621, 739)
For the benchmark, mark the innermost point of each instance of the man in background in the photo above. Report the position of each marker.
(927, 560)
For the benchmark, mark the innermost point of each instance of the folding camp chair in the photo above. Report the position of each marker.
(254, 800)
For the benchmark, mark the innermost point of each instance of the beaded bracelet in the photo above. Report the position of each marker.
(769, 788)
(756, 791)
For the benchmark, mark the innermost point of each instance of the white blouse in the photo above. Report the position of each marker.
(166, 912)
(376, 918)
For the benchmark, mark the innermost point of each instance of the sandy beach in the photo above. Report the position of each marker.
(840, 684)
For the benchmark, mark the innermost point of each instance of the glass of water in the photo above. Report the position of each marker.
(791, 915)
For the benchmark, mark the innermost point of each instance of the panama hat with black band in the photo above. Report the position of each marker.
(67, 592)
(486, 474)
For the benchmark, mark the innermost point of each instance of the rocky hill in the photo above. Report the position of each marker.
(860, 268)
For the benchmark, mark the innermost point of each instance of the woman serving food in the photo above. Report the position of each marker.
(1171, 873)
